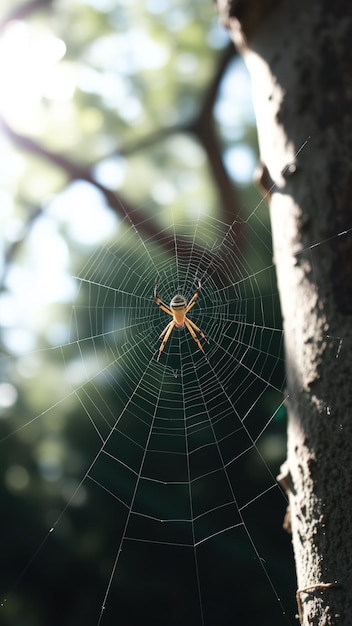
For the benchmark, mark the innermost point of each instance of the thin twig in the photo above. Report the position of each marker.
(310, 589)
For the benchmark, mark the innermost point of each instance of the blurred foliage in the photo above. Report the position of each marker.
(106, 104)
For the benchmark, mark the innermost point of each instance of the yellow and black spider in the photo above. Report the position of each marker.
(178, 309)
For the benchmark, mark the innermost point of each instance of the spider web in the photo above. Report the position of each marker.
(174, 441)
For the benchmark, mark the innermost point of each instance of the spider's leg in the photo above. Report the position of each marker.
(194, 298)
(192, 302)
(160, 303)
(166, 334)
(163, 307)
(165, 329)
(195, 327)
(194, 336)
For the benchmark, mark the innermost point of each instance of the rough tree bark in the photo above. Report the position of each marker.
(299, 54)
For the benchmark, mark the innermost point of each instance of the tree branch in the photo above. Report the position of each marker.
(203, 128)
(75, 171)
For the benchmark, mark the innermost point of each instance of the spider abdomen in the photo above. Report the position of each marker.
(178, 303)
(178, 307)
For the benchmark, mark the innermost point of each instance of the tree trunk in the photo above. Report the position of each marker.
(299, 57)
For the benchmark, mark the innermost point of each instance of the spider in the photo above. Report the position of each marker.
(178, 309)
